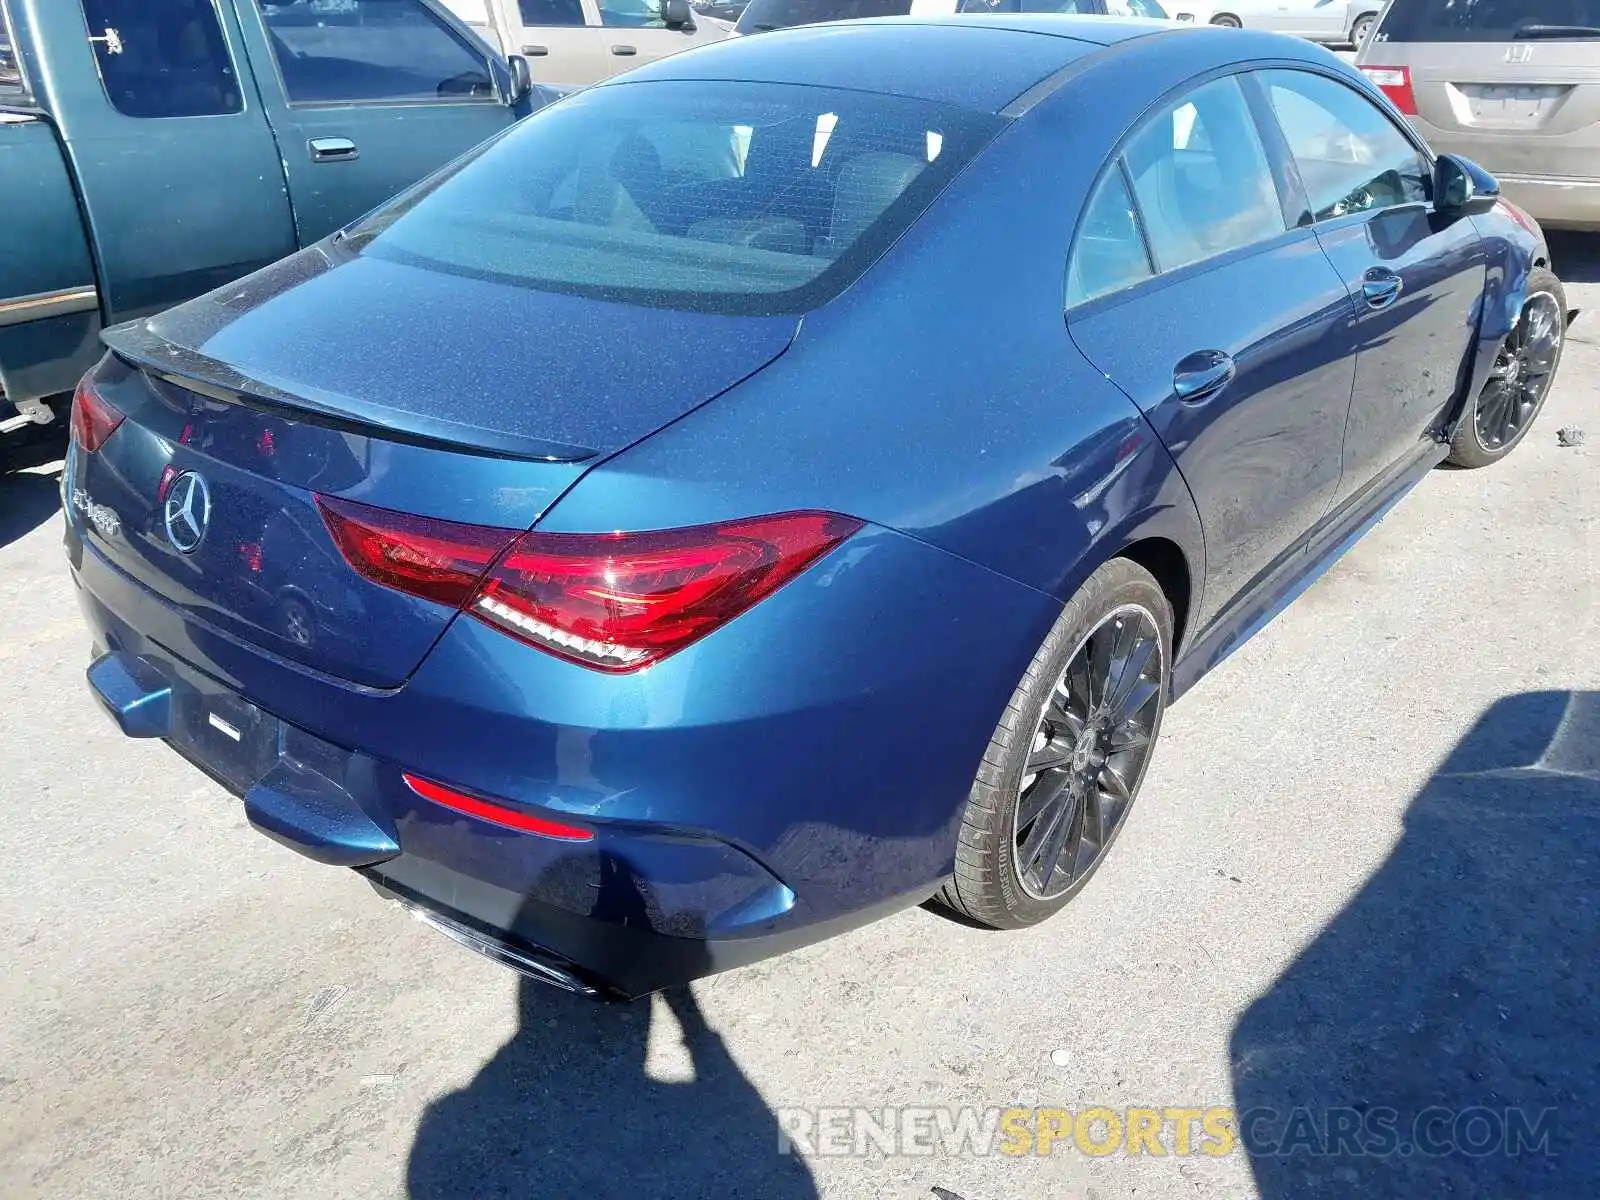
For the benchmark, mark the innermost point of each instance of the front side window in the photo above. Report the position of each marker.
(550, 12)
(701, 195)
(1201, 177)
(632, 14)
(162, 60)
(1350, 156)
(332, 51)
(1109, 253)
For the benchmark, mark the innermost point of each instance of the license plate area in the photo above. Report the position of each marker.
(224, 735)
(1510, 103)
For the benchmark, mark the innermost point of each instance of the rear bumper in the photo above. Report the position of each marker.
(731, 822)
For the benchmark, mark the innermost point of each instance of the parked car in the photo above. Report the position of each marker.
(763, 16)
(573, 43)
(796, 541)
(1331, 22)
(153, 151)
(1517, 86)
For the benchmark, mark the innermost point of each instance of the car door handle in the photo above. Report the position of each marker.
(624, 50)
(1380, 287)
(1201, 375)
(332, 149)
(536, 51)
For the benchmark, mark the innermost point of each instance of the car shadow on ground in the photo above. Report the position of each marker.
(1442, 1035)
(567, 1108)
(27, 500)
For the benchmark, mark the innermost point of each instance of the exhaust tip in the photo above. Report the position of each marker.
(529, 962)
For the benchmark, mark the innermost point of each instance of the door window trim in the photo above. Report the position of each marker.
(446, 20)
(1278, 144)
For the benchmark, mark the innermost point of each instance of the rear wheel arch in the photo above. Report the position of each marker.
(1167, 562)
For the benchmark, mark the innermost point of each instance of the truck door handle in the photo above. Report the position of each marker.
(536, 51)
(1381, 287)
(1201, 375)
(332, 149)
(624, 50)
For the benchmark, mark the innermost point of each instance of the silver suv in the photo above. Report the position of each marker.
(1513, 84)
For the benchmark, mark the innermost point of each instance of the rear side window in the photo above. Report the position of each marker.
(1201, 177)
(1489, 20)
(162, 60)
(1350, 157)
(1109, 253)
(711, 196)
(332, 51)
(764, 15)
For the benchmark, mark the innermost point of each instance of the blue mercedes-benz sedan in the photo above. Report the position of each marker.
(788, 483)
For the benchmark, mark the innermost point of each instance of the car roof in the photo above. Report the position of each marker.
(925, 58)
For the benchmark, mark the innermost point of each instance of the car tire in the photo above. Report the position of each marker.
(1120, 620)
(1359, 31)
(1227, 21)
(1500, 415)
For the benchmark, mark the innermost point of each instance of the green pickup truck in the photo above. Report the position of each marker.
(151, 150)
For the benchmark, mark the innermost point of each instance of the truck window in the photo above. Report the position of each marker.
(550, 12)
(162, 59)
(11, 85)
(335, 51)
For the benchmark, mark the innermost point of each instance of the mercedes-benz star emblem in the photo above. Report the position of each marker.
(187, 512)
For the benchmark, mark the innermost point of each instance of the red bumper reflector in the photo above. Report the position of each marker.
(496, 814)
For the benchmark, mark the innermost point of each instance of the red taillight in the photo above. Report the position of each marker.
(437, 560)
(610, 601)
(499, 814)
(164, 484)
(621, 601)
(93, 420)
(1395, 83)
(250, 555)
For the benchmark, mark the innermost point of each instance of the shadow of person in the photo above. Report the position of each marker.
(1442, 1035)
(567, 1108)
(27, 500)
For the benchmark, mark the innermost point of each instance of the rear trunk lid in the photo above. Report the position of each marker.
(434, 395)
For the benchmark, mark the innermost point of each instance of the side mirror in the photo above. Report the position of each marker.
(521, 78)
(677, 14)
(1461, 187)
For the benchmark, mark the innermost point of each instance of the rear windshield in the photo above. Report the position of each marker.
(711, 196)
(1489, 20)
(760, 16)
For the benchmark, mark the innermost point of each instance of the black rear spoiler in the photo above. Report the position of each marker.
(140, 346)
